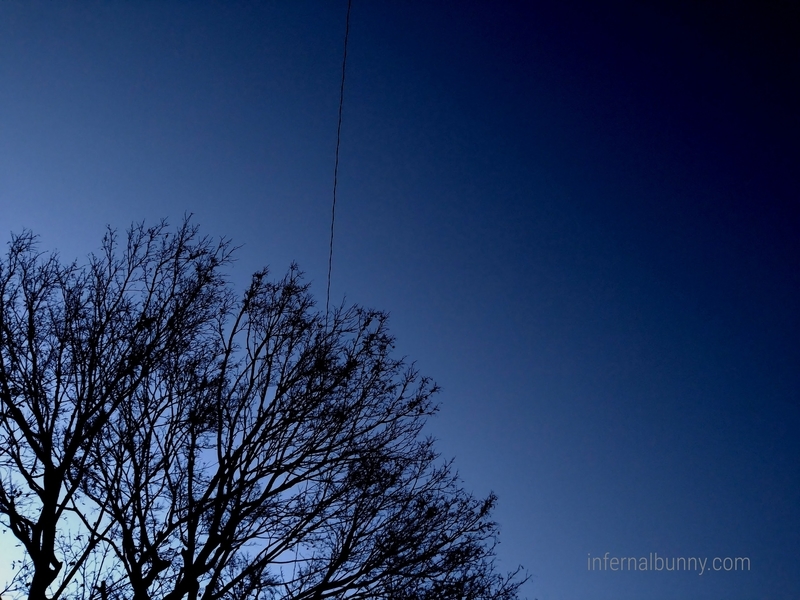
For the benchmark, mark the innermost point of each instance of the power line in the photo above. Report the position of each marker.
(336, 161)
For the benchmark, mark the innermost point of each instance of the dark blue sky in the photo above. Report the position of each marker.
(583, 218)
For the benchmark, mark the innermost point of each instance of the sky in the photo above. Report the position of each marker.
(582, 217)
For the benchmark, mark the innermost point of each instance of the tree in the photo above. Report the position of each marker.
(163, 438)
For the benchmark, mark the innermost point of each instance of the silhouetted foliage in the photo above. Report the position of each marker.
(162, 438)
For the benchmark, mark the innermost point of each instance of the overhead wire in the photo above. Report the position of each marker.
(336, 158)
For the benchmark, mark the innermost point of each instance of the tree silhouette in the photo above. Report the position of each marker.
(163, 438)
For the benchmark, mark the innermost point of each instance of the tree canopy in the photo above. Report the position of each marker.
(163, 437)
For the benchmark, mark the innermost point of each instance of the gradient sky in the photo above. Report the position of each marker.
(582, 217)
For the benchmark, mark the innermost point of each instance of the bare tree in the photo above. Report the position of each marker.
(75, 343)
(239, 447)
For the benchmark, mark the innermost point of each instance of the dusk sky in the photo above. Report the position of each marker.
(583, 219)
